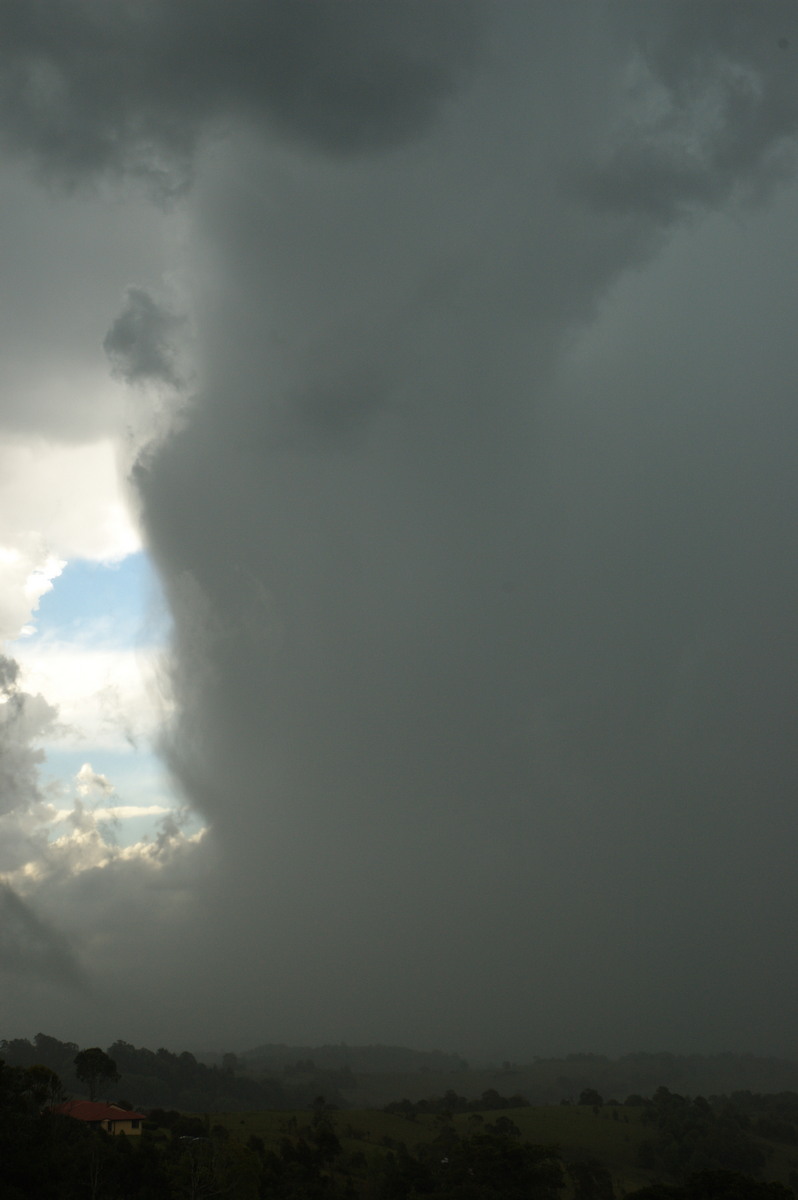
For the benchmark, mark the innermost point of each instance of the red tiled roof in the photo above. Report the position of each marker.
(96, 1110)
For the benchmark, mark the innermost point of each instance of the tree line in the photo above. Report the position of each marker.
(450, 1103)
(162, 1078)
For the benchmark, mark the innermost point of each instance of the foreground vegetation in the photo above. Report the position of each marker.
(668, 1147)
(260, 1129)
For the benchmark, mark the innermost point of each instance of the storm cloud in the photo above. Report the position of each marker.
(473, 529)
(130, 88)
(28, 945)
(140, 343)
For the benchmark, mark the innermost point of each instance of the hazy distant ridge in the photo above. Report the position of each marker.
(288, 1077)
(367, 1060)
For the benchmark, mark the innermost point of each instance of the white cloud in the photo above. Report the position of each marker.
(108, 697)
(27, 570)
(31, 854)
(72, 494)
(57, 502)
(88, 848)
(119, 812)
(88, 781)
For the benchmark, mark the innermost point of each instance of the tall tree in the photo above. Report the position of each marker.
(94, 1065)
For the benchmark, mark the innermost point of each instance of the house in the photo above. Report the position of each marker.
(101, 1115)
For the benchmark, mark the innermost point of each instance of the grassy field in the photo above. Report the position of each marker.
(577, 1131)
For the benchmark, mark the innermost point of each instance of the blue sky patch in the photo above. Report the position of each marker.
(124, 596)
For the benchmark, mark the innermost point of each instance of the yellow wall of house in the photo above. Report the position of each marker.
(123, 1127)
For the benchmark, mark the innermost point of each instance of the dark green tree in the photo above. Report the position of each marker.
(43, 1086)
(94, 1065)
(590, 1180)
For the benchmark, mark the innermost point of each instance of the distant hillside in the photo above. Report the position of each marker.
(361, 1060)
(289, 1077)
(643, 1073)
(553, 1080)
(163, 1079)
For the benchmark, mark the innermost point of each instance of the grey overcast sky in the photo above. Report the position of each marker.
(451, 361)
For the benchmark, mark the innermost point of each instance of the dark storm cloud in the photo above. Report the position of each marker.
(723, 117)
(438, 682)
(484, 653)
(140, 343)
(28, 945)
(121, 86)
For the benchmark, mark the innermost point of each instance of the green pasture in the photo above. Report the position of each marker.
(578, 1132)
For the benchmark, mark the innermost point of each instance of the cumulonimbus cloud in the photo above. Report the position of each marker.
(130, 89)
(426, 653)
(141, 341)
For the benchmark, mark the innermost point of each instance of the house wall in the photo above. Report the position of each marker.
(124, 1127)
